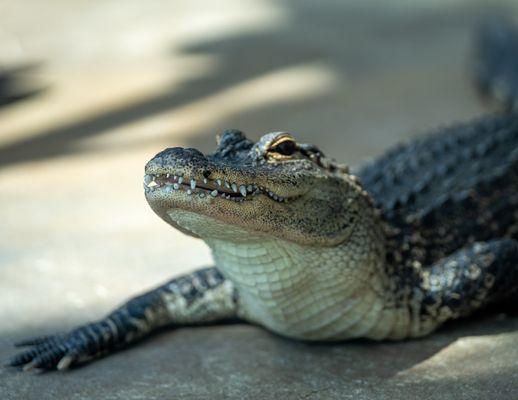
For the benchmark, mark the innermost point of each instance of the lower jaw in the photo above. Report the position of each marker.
(210, 228)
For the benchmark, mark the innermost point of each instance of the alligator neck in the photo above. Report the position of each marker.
(305, 291)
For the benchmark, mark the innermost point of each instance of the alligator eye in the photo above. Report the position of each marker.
(286, 148)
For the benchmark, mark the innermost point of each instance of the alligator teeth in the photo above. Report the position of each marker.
(242, 190)
(169, 182)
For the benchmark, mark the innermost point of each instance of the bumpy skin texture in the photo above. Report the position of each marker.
(466, 193)
(425, 233)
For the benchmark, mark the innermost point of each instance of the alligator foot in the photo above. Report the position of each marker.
(64, 350)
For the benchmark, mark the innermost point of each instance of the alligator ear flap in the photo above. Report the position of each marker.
(315, 155)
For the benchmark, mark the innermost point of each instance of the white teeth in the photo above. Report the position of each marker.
(242, 190)
(150, 183)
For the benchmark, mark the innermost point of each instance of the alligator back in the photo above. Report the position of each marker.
(446, 190)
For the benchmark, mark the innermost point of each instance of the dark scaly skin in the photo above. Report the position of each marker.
(446, 205)
(466, 191)
(465, 198)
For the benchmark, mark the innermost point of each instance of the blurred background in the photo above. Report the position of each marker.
(90, 90)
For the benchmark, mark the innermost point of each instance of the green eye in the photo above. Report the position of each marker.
(286, 148)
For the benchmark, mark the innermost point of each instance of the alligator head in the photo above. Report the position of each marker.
(276, 187)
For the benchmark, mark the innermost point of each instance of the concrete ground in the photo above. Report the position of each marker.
(89, 91)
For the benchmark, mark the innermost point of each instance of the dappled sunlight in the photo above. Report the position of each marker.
(283, 86)
(488, 355)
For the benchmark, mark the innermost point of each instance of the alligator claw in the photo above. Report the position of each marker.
(59, 351)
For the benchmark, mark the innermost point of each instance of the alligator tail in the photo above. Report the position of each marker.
(496, 63)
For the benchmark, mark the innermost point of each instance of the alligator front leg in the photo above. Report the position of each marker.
(471, 278)
(201, 297)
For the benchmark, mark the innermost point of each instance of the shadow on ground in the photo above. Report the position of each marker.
(15, 84)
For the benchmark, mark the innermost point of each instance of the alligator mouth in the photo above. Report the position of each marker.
(215, 188)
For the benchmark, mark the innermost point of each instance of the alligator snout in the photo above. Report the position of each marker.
(177, 157)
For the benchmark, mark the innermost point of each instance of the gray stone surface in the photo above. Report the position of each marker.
(124, 80)
(464, 361)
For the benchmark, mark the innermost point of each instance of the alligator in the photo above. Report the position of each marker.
(308, 249)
